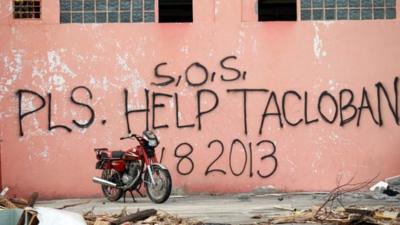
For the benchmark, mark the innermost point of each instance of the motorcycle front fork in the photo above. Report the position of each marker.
(150, 174)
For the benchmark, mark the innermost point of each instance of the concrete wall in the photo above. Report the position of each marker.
(295, 61)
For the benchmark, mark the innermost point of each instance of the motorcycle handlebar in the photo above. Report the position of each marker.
(129, 137)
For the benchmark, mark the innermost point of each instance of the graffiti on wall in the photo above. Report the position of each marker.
(344, 111)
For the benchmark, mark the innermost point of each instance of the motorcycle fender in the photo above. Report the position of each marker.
(160, 165)
(154, 164)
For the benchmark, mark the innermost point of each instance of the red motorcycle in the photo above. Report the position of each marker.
(125, 171)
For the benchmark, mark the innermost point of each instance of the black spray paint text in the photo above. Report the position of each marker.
(345, 109)
(342, 108)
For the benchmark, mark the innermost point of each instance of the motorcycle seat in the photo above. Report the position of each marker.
(117, 154)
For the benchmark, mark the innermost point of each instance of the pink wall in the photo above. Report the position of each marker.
(47, 57)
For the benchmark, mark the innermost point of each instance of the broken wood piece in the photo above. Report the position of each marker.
(7, 203)
(72, 205)
(285, 207)
(28, 217)
(33, 198)
(19, 201)
(387, 215)
(256, 217)
(151, 219)
(297, 217)
(393, 180)
(364, 212)
(355, 217)
(34, 220)
(282, 219)
(128, 223)
(141, 215)
(4, 191)
(124, 212)
(89, 213)
(101, 222)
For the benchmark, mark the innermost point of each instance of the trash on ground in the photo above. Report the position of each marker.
(50, 216)
(339, 215)
(18, 211)
(389, 187)
(148, 216)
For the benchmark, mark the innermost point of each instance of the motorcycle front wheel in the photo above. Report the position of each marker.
(161, 189)
(111, 193)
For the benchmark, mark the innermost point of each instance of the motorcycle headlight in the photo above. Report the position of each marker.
(151, 138)
(153, 143)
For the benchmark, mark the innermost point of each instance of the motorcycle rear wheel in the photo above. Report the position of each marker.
(111, 193)
(161, 190)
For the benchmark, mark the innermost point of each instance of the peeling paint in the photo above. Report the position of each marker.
(122, 61)
(15, 65)
(27, 103)
(58, 81)
(317, 158)
(318, 43)
(44, 154)
(102, 83)
(56, 65)
(185, 49)
(13, 70)
(217, 5)
(136, 81)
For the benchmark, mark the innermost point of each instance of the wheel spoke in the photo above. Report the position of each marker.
(112, 194)
(159, 190)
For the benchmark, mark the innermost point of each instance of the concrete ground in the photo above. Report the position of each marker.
(226, 209)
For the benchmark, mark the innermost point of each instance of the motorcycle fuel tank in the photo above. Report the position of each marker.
(134, 153)
(118, 165)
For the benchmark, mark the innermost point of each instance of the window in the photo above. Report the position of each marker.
(107, 11)
(348, 9)
(277, 10)
(24, 9)
(175, 11)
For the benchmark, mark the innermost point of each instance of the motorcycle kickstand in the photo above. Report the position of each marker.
(133, 197)
(141, 195)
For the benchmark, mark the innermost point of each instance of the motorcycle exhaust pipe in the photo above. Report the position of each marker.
(104, 182)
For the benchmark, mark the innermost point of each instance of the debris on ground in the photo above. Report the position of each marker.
(389, 187)
(339, 215)
(18, 211)
(285, 207)
(50, 216)
(144, 217)
(333, 211)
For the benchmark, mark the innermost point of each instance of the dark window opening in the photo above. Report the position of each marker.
(26, 9)
(175, 11)
(277, 10)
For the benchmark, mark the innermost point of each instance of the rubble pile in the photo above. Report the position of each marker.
(18, 209)
(379, 215)
(145, 217)
(21, 212)
(329, 212)
(332, 210)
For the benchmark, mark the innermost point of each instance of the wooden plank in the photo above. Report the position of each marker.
(141, 215)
